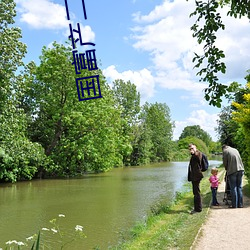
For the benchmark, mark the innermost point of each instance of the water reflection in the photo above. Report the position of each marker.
(105, 204)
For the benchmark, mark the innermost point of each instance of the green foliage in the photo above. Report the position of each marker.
(233, 123)
(11, 50)
(128, 100)
(77, 136)
(196, 131)
(215, 147)
(20, 157)
(36, 244)
(170, 226)
(201, 146)
(142, 145)
(156, 120)
(227, 127)
(241, 116)
(205, 28)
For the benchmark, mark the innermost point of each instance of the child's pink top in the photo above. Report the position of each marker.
(214, 181)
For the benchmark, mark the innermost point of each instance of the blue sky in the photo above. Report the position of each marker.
(148, 42)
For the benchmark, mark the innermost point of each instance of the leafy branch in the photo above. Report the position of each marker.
(210, 63)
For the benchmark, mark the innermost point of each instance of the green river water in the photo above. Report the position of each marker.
(104, 204)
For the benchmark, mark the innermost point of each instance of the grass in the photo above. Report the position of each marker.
(170, 226)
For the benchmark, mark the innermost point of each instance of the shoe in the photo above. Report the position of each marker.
(194, 212)
(231, 207)
(217, 204)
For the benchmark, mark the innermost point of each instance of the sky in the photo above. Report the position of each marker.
(147, 42)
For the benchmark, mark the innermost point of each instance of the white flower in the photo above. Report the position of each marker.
(29, 238)
(20, 243)
(54, 230)
(78, 228)
(10, 242)
(45, 229)
(61, 215)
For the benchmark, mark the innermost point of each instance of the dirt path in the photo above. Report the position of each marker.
(225, 228)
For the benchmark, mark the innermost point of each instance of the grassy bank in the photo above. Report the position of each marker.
(170, 227)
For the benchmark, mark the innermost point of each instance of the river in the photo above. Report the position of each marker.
(104, 204)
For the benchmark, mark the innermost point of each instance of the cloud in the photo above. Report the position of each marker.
(43, 14)
(234, 41)
(86, 32)
(198, 117)
(165, 34)
(143, 79)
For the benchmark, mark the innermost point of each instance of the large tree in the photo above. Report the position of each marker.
(184, 142)
(12, 51)
(157, 122)
(205, 29)
(128, 100)
(241, 115)
(196, 131)
(19, 158)
(227, 127)
(77, 136)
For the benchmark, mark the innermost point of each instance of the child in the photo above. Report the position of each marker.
(214, 185)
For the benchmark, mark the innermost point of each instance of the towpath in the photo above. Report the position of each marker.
(225, 228)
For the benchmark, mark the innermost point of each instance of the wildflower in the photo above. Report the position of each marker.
(20, 243)
(61, 215)
(10, 242)
(29, 238)
(78, 228)
(54, 230)
(45, 229)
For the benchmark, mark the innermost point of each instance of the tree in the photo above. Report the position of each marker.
(157, 122)
(142, 145)
(242, 116)
(196, 131)
(77, 136)
(128, 100)
(229, 130)
(227, 127)
(20, 158)
(183, 144)
(208, 23)
(12, 50)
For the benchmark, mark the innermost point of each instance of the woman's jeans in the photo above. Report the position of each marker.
(214, 196)
(235, 182)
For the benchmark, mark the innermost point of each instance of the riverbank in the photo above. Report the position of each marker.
(171, 227)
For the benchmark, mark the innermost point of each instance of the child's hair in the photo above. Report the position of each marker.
(214, 170)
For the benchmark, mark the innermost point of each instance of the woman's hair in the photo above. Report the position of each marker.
(214, 170)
